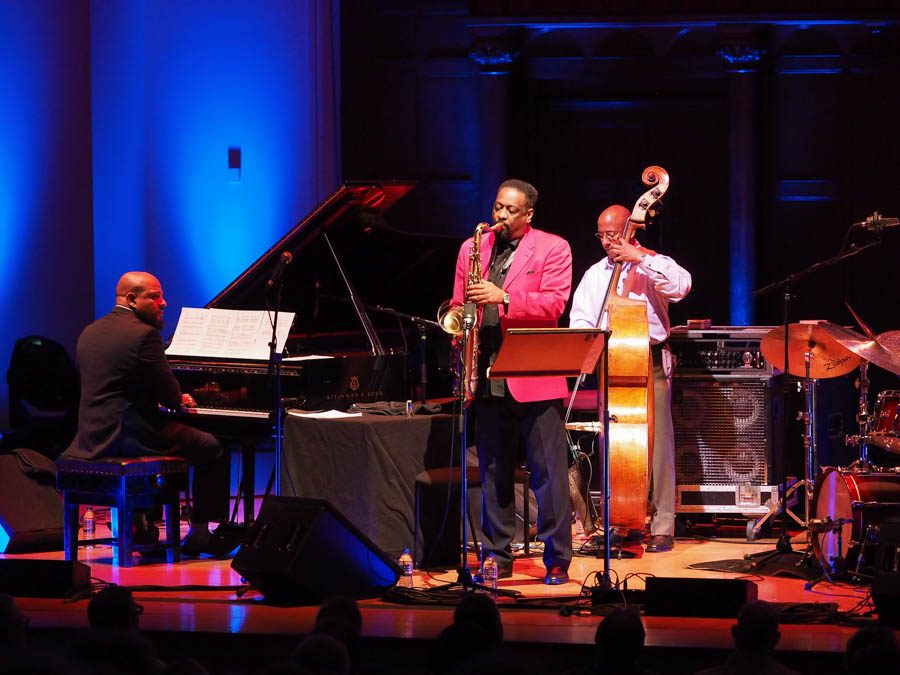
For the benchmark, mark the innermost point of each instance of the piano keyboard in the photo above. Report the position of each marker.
(221, 412)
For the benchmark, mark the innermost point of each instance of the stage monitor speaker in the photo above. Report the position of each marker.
(303, 551)
(886, 580)
(31, 512)
(722, 431)
(717, 598)
(44, 578)
(886, 596)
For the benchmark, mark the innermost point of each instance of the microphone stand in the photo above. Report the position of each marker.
(274, 377)
(464, 577)
(783, 545)
(422, 324)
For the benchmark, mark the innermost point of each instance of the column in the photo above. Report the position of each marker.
(742, 59)
(494, 53)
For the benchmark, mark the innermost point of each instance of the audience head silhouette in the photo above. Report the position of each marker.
(872, 650)
(340, 618)
(757, 627)
(114, 608)
(478, 614)
(619, 639)
(322, 654)
(13, 623)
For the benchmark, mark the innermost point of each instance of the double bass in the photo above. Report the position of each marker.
(630, 380)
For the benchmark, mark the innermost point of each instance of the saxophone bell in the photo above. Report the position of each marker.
(450, 318)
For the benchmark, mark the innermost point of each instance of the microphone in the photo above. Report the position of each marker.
(284, 261)
(876, 222)
(469, 310)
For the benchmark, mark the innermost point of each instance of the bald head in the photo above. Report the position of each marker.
(614, 217)
(142, 292)
(611, 224)
(134, 282)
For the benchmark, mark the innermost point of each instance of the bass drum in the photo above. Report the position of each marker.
(859, 501)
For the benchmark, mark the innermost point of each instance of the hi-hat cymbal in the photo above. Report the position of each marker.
(827, 357)
(866, 348)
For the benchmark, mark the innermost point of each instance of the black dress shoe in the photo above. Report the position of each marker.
(556, 575)
(504, 571)
(144, 531)
(660, 543)
(199, 543)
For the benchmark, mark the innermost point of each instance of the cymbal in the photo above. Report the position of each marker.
(866, 348)
(890, 341)
(828, 358)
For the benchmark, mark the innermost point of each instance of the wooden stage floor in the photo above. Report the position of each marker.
(212, 616)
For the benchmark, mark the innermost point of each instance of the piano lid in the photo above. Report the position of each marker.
(348, 258)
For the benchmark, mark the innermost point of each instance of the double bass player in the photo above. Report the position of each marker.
(657, 280)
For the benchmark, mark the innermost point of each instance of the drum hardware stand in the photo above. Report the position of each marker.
(809, 465)
(864, 420)
(825, 525)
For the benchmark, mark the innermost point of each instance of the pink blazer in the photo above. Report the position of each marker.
(538, 282)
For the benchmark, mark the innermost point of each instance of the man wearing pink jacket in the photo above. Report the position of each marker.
(527, 281)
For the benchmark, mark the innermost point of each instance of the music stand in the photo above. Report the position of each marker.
(562, 352)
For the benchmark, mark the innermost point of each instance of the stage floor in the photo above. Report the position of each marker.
(219, 612)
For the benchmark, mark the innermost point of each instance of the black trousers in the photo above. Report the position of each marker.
(209, 487)
(501, 422)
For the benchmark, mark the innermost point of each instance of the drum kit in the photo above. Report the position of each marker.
(844, 507)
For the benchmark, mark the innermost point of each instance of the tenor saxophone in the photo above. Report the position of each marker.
(451, 318)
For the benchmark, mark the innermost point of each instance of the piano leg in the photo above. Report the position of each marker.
(247, 488)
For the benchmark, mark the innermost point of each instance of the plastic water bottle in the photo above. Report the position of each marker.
(406, 568)
(90, 522)
(489, 572)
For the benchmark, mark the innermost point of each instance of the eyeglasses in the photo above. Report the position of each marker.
(608, 235)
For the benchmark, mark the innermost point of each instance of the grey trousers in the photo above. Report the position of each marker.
(662, 471)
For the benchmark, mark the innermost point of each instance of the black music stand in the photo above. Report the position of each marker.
(567, 352)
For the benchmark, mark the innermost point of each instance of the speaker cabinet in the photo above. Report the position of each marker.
(44, 578)
(31, 512)
(722, 432)
(303, 551)
(676, 596)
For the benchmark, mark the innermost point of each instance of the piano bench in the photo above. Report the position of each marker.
(126, 484)
(437, 478)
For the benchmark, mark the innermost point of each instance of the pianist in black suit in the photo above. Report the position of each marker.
(124, 377)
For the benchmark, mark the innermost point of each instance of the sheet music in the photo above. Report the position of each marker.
(324, 414)
(227, 333)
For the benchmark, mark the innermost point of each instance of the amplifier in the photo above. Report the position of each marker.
(724, 351)
(722, 416)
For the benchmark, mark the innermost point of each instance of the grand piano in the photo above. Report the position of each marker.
(364, 294)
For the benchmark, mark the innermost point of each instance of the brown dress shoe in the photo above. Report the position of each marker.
(556, 575)
(659, 543)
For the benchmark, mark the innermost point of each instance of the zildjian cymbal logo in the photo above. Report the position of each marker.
(834, 363)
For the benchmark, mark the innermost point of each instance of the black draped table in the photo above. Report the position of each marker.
(366, 467)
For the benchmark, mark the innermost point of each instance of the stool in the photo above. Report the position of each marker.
(126, 483)
(453, 476)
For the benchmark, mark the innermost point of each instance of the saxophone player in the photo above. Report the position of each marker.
(527, 281)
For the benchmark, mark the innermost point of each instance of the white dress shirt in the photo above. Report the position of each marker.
(658, 280)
